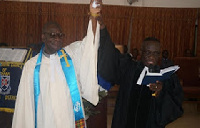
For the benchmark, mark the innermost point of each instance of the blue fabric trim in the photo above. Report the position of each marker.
(103, 83)
(72, 83)
(37, 82)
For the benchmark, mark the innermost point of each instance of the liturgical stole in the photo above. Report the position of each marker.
(68, 69)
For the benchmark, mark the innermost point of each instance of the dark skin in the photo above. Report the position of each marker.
(150, 54)
(97, 17)
(151, 46)
(52, 45)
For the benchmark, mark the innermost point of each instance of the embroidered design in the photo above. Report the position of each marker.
(80, 123)
(5, 82)
(77, 106)
(71, 80)
(65, 57)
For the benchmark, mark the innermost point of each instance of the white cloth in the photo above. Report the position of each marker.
(142, 74)
(54, 104)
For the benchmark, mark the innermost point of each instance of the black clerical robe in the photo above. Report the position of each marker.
(135, 106)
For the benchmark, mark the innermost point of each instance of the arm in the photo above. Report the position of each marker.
(95, 15)
(88, 59)
(111, 63)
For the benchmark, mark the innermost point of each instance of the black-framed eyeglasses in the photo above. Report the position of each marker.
(148, 53)
(54, 35)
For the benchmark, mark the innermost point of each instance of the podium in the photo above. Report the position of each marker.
(99, 120)
(12, 61)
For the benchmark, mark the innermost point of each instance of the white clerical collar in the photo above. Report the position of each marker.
(48, 55)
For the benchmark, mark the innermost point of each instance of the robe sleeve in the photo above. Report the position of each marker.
(88, 65)
(24, 110)
(169, 101)
(111, 63)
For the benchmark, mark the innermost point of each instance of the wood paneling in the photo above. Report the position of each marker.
(173, 27)
(198, 34)
(21, 24)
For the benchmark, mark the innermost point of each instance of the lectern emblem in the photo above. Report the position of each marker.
(5, 84)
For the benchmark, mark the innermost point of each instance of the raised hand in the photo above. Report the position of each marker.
(95, 8)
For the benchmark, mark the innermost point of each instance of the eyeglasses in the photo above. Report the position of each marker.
(54, 35)
(154, 53)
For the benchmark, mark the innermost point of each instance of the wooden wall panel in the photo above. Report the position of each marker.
(2, 21)
(21, 24)
(173, 27)
(198, 34)
(73, 19)
(15, 23)
(33, 23)
(117, 20)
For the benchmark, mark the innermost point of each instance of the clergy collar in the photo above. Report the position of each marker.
(46, 54)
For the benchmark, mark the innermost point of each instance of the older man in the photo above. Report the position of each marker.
(53, 82)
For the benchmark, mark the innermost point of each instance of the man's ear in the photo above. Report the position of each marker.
(43, 38)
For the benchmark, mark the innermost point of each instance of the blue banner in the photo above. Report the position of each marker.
(10, 77)
(10, 73)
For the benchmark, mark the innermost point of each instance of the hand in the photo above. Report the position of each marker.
(95, 13)
(157, 87)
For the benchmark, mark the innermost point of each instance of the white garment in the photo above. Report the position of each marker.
(54, 104)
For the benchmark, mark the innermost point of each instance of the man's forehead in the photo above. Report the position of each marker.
(152, 45)
(53, 27)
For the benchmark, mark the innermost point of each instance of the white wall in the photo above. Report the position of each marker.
(143, 3)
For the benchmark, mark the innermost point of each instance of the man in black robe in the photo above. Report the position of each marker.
(136, 107)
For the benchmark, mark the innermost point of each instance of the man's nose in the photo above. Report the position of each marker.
(57, 37)
(151, 54)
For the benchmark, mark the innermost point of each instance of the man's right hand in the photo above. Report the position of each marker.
(95, 13)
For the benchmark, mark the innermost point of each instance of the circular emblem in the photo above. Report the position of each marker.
(77, 106)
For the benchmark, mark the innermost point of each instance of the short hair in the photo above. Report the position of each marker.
(165, 51)
(149, 39)
(50, 23)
